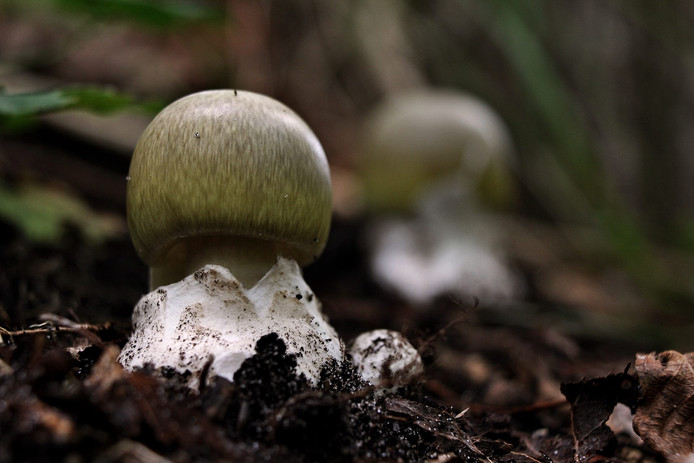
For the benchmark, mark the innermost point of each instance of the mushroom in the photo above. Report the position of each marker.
(231, 178)
(228, 194)
(431, 162)
(416, 140)
(385, 358)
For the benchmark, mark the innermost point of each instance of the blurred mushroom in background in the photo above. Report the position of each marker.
(436, 169)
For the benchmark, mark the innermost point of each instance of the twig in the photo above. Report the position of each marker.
(52, 324)
(517, 409)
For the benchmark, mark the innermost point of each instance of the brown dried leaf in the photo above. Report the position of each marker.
(106, 372)
(5, 369)
(592, 402)
(665, 416)
(132, 452)
(38, 419)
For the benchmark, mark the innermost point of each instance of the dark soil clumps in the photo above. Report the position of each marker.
(65, 309)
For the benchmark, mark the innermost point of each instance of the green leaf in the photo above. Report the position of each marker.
(157, 13)
(41, 213)
(23, 104)
(98, 100)
(18, 110)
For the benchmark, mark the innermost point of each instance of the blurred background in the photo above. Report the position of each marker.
(597, 98)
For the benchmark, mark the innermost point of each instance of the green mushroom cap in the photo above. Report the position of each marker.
(223, 164)
(415, 139)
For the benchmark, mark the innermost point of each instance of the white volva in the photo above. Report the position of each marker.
(209, 317)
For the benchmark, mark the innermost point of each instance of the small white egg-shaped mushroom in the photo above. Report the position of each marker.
(385, 358)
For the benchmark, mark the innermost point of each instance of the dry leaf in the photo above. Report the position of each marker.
(132, 452)
(665, 416)
(592, 402)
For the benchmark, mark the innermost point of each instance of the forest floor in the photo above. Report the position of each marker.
(500, 383)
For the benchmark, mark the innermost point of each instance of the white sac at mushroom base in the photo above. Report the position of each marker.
(210, 315)
(386, 358)
(450, 246)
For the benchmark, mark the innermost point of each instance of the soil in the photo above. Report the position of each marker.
(494, 388)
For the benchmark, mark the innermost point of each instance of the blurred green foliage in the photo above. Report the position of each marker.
(41, 212)
(553, 101)
(154, 13)
(26, 104)
(598, 96)
(19, 110)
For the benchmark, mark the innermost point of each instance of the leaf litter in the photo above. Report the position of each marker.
(665, 416)
(64, 397)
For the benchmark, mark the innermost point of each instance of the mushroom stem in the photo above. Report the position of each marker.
(248, 259)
